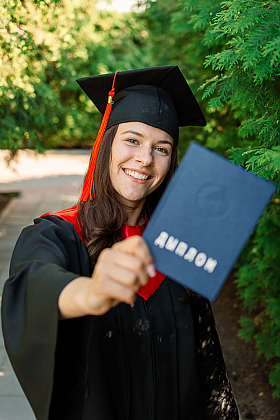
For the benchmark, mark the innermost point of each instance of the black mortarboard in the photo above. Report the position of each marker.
(157, 96)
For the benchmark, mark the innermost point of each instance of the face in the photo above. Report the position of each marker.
(140, 160)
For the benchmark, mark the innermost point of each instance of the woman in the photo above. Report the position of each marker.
(92, 330)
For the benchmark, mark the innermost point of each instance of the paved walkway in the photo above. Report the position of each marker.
(50, 182)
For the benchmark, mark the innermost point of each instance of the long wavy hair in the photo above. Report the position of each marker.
(103, 217)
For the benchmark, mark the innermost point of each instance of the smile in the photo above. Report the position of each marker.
(136, 175)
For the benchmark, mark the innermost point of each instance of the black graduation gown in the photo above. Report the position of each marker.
(158, 359)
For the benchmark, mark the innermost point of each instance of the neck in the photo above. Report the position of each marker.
(135, 216)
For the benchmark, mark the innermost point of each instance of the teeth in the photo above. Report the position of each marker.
(136, 174)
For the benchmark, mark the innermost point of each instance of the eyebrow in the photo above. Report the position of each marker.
(142, 135)
(133, 132)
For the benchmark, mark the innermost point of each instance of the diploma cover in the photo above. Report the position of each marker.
(204, 220)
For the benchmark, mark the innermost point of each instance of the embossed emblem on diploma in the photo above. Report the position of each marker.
(204, 220)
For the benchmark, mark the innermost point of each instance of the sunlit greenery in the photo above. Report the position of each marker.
(231, 51)
(45, 47)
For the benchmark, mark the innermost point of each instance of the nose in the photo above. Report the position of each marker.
(145, 156)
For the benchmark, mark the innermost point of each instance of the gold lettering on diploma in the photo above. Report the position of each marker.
(191, 254)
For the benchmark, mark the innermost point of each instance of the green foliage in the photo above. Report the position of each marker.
(258, 286)
(184, 28)
(248, 67)
(275, 378)
(247, 81)
(45, 46)
(230, 51)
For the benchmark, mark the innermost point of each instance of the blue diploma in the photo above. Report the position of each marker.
(204, 220)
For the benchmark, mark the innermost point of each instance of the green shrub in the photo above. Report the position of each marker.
(248, 81)
(231, 50)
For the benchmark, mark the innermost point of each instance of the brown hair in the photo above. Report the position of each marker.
(103, 217)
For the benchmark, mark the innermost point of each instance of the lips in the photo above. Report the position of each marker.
(136, 175)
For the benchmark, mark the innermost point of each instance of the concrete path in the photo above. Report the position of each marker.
(49, 182)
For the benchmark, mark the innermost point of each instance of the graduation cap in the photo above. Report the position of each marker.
(157, 96)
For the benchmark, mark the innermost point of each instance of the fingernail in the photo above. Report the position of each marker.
(151, 270)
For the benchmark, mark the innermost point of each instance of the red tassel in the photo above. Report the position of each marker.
(88, 186)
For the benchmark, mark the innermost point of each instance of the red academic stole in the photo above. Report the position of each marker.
(71, 215)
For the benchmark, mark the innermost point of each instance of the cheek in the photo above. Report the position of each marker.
(114, 161)
(165, 167)
(120, 154)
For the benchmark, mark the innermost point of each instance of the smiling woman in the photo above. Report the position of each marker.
(113, 338)
(140, 160)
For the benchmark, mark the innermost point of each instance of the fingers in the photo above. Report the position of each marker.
(119, 273)
(128, 278)
(129, 269)
(117, 292)
(136, 246)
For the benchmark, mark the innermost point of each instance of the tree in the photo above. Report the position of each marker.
(249, 81)
(233, 48)
(46, 46)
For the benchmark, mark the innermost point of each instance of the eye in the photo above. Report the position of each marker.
(162, 150)
(132, 141)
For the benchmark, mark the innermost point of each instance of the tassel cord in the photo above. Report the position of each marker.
(88, 186)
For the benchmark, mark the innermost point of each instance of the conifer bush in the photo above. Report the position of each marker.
(248, 69)
(232, 50)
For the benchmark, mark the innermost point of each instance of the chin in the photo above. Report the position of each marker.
(133, 199)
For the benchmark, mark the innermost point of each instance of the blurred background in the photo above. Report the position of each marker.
(229, 53)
